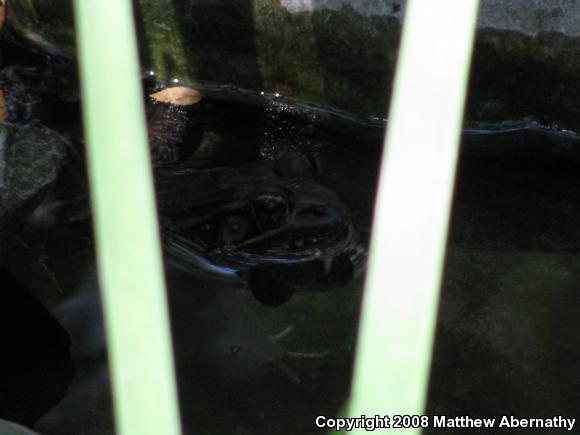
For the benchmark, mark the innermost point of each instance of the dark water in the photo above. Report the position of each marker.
(509, 321)
(242, 367)
(508, 325)
(509, 316)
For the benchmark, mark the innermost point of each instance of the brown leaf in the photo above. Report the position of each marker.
(179, 96)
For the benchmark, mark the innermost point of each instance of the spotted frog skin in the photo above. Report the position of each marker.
(268, 225)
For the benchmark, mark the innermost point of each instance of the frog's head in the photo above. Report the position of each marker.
(269, 223)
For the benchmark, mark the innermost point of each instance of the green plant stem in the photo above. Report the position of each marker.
(127, 238)
(412, 211)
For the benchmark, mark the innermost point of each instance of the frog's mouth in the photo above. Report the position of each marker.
(286, 245)
(292, 242)
(275, 273)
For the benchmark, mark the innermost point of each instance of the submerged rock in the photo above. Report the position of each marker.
(30, 160)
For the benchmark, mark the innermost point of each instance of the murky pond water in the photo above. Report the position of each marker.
(243, 367)
(509, 318)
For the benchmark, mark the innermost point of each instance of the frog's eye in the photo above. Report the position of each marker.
(293, 164)
(270, 210)
(233, 230)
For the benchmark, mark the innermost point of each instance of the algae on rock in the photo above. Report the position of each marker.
(30, 160)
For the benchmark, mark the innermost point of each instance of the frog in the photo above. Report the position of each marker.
(253, 213)
(269, 226)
